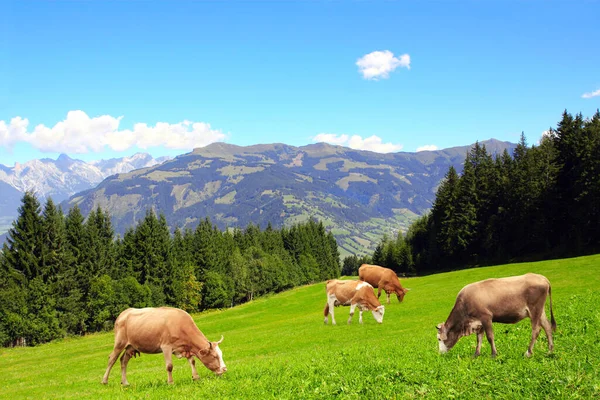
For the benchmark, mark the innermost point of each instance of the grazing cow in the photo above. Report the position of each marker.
(354, 294)
(382, 278)
(504, 300)
(167, 330)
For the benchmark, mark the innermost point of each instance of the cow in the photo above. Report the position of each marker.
(382, 278)
(504, 300)
(167, 330)
(354, 294)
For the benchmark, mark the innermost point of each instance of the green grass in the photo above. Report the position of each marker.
(278, 347)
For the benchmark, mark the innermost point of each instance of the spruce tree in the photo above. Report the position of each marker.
(24, 251)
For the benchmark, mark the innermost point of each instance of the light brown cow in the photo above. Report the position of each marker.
(167, 330)
(382, 278)
(354, 294)
(504, 300)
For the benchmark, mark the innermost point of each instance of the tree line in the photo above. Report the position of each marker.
(541, 202)
(69, 275)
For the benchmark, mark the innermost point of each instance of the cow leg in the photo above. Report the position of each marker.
(167, 352)
(118, 348)
(479, 341)
(548, 329)
(195, 375)
(360, 311)
(535, 331)
(331, 302)
(489, 333)
(127, 354)
(378, 292)
(388, 297)
(352, 307)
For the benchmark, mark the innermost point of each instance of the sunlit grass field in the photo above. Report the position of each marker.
(278, 347)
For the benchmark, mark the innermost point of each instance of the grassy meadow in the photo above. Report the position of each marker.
(278, 347)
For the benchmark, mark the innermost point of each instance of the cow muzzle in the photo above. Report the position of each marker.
(221, 371)
(443, 348)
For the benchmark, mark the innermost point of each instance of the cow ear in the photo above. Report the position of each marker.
(439, 326)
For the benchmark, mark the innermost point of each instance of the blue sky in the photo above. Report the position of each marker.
(107, 79)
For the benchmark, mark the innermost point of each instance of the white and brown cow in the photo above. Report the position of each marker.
(503, 300)
(383, 279)
(354, 294)
(167, 330)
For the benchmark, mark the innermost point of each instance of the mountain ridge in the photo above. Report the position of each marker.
(359, 195)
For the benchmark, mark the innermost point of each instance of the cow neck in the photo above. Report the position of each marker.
(456, 315)
(202, 344)
(370, 305)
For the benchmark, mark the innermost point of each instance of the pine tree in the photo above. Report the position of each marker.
(24, 252)
(54, 255)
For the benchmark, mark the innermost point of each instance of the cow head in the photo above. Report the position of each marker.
(378, 313)
(447, 338)
(400, 293)
(212, 357)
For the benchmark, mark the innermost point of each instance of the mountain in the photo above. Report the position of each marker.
(59, 179)
(359, 195)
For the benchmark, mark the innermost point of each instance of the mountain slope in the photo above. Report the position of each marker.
(358, 194)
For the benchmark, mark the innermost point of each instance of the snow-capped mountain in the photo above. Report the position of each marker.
(65, 176)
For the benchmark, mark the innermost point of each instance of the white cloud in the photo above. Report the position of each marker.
(545, 133)
(79, 133)
(331, 138)
(372, 143)
(379, 64)
(589, 95)
(427, 147)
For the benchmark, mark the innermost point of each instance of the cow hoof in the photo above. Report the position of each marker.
(527, 354)
(195, 378)
(104, 382)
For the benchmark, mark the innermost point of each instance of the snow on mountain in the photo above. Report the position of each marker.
(65, 176)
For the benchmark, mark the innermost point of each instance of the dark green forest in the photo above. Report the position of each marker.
(541, 202)
(68, 275)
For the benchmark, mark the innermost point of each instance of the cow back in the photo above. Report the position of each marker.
(506, 298)
(376, 276)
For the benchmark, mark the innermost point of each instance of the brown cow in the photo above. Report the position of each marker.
(167, 330)
(353, 294)
(504, 300)
(382, 278)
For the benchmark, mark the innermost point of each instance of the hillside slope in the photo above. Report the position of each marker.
(360, 195)
(278, 347)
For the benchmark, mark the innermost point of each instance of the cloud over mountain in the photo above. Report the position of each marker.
(80, 133)
(356, 142)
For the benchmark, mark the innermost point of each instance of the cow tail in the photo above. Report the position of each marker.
(552, 320)
(326, 310)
